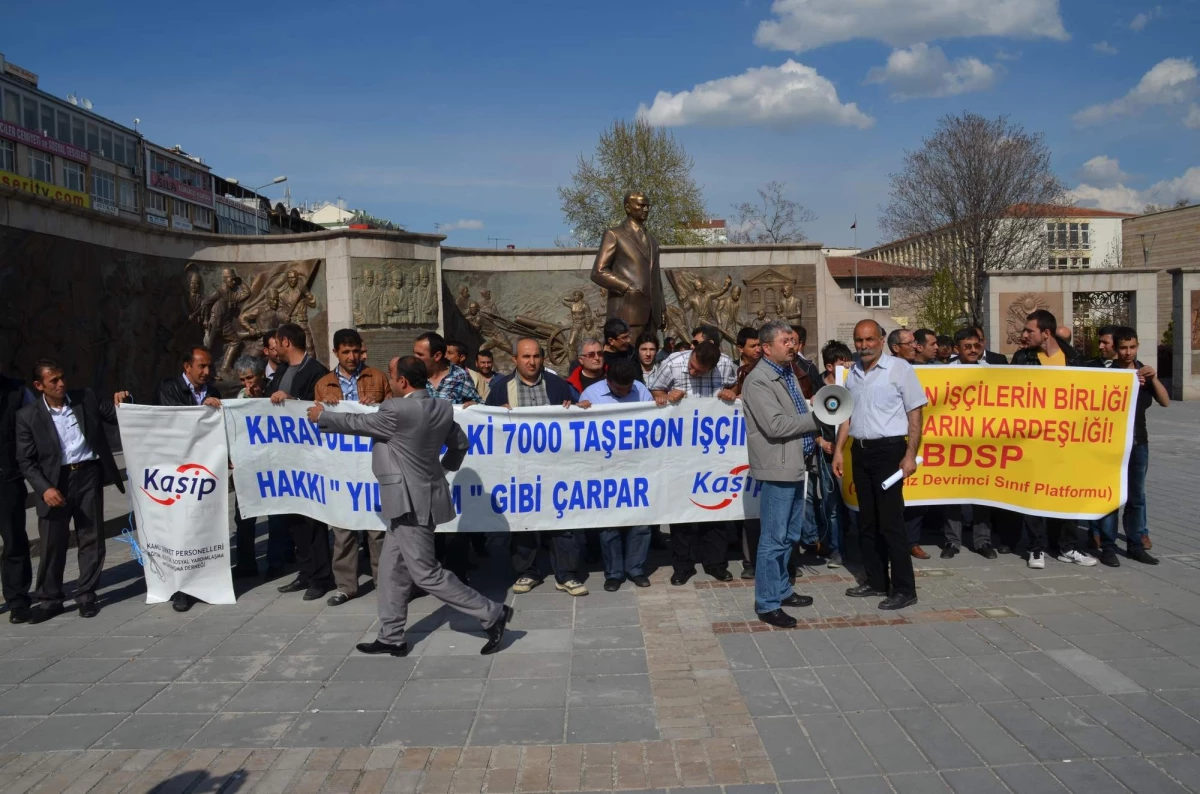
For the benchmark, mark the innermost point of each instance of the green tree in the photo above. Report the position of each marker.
(941, 309)
(634, 156)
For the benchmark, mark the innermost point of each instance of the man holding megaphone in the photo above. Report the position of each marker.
(886, 427)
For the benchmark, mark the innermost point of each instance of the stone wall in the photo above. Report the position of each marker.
(1163, 241)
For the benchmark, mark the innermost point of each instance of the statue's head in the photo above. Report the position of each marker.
(637, 206)
(387, 281)
(293, 278)
(368, 278)
(273, 298)
(487, 294)
(398, 279)
(736, 293)
(230, 277)
(464, 291)
(787, 291)
(472, 309)
(577, 295)
(194, 283)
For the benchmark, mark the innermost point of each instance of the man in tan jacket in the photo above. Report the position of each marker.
(351, 379)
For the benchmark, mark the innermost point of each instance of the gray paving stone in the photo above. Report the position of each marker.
(340, 623)
(816, 647)
(35, 699)
(1184, 768)
(891, 643)
(545, 598)
(803, 787)
(224, 669)
(847, 689)
(1034, 733)
(69, 732)
(778, 650)
(893, 751)
(789, 748)
(889, 686)
(354, 696)
(1109, 647)
(1079, 728)
(47, 648)
(1146, 619)
(999, 636)
(604, 690)
(871, 784)
(761, 694)
(242, 730)
(804, 691)
(974, 781)
(1159, 674)
(1053, 674)
(111, 699)
(1126, 725)
(602, 618)
(855, 646)
(76, 671)
(964, 638)
(276, 696)
(935, 738)
(147, 671)
(452, 667)
(1180, 641)
(440, 694)
(608, 724)
(1014, 677)
(837, 746)
(1186, 700)
(742, 652)
(1029, 779)
(368, 668)
(1139, 775)
(191, 699)
(1085, 776)
(114, 647)
(14, 671)
(931, 682)
(322, 644)
(11, 727)
(1037, 635)
(531, 665)
(1078, 625)
(153, 732)
(919, 783)
(333, 729)
(520, 693)
(927, 640)
(183, 646)
(266, 625)
(298, 668)
(245, 644)
(608, 638)
(1163, 716)
(752, 788)
(608, 662)
(219, 623)
(973, 680)
(985, 736)
(519, 726)
(426, 729)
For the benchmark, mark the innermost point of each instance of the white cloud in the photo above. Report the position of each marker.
(782, 96)
(804, 24)
(1120, 198)
(1104, 48)
(463, 223)
(1192, 119)
(1169, 82)
(1140, 21)
(1103, 170)
(924, 71)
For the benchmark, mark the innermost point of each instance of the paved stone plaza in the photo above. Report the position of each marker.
(1001, 679)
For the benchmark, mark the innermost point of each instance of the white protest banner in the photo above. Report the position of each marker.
(178, 466)
(526, 469)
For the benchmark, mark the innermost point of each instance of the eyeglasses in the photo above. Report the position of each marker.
(597, 354)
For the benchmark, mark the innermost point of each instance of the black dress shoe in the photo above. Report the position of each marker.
(898, 601)
(1109, 557)
(1002, 549)
(294, 586)
(315, 591)
(680, 578)
(1141, 555)
(495, 632)
(245, 571)
(864, 591)
(778, 618)
(747, 571)
(987, 552)
(612, 585)
(949, 551)
(19, 614)
(376, 648)
(797, 600)
(640, 581)
(337, 599)
(40, 614)
(720, 574)
(182, 602)
(89, 610)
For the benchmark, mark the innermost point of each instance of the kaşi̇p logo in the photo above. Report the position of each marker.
(725, 487)
(189, 480)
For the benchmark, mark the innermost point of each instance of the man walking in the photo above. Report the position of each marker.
(64, 455)
(411, 431)
(625, 548)
(886, 426)
(779, 437)
(354, 381)
(16, 570)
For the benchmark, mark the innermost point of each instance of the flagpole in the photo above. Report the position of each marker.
(854, 227)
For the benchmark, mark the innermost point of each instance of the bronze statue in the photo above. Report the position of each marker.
(366, 300)
(627, 265)
(222, 310)
(266, 316)
(581, 319)
(789, 308)
(297, 300)
(394, 303)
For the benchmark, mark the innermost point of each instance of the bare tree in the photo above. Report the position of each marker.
(976, 195)
(1179, 204)
(775, 218)
(634, 156)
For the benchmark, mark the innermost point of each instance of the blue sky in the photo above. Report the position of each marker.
(472, 111)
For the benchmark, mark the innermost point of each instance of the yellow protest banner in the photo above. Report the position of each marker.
(1051, 441)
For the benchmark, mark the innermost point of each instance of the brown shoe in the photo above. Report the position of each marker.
(1095, 541)
(1146, 542)
(919, 553)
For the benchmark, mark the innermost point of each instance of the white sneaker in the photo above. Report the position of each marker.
(1037, 560)
(1077, 557)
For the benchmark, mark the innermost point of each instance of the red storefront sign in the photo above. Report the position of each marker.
(166, 184)
(35, 140)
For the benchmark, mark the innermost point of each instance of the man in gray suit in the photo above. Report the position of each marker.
(411, 429)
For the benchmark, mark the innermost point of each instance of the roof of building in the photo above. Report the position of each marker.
(714, 223)
(844, 267)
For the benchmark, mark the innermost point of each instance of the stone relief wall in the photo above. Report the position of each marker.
(115, 319)
(394, 302)
(1016, 306)
(491, 310)
(1195, 332)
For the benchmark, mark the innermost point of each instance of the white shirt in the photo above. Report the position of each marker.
(198, 396)
(74, 446)
(958, 362)
(883, 397)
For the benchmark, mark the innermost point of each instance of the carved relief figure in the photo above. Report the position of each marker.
(222, 308)
(266, 316)
(297, 300)
(483, 324)
(427, 296)
(366, 300)
(729, 312)
(394, 304)
(1195, 321)
(463, 299)
(581, 319)
(195, 297)
(1018, 310)
(789, 307)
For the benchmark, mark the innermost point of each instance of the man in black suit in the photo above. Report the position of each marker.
(296, 379)
(63, 453)
(193, 387)
(989, 357)
(16, 571)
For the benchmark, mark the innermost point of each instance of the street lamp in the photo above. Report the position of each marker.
(257, 208)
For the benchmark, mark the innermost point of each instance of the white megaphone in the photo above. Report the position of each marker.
(833, 404)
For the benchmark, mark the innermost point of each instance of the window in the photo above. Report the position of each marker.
(8, 157)
(203, 217)
(63, 131)
(41, 167)
(119, 148)
(179, 208)
(176, 172)
(73, 177)
(1087, 261)
(874, 297)
(47, 125)
(12, 107)
(127, 195)
(1068, 236)
(104, 186)
(93, 138)
(131, 152)
(78, 136)
(156, 203)
(1084, 236)
(30, 116)
(106, 144)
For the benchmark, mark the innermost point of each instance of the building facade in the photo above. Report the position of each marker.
(1163, 241)
(179, 190)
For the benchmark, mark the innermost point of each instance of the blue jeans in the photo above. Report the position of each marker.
(624, 550)
(781, 507)
(829, 516)
(279, 540)
(1135, 504)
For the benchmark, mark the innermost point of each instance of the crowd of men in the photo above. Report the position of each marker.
(53, 438)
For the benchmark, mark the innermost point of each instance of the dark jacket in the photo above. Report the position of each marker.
(576, 380)
(39, 451)
(304, 386)
(13, 395)
(558, 390)
(994, 358)
(173, 391)
(1027, 357)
